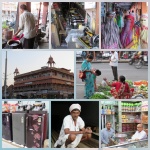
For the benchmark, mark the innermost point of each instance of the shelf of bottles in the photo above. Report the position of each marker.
(108, 113)
(132, 113)
(144, 114)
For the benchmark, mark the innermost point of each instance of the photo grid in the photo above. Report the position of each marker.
(82, 80)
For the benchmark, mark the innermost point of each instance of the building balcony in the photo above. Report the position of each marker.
(47, 79)
(42, 88)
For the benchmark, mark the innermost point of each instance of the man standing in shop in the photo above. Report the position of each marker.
(140, 134)
(106, 134)
(114, 64)
(72, 130)
(27, 24)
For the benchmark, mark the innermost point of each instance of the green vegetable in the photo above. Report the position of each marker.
(107, 93)
(98, 96)
(129, 82)
(102, 89)
(143, 88)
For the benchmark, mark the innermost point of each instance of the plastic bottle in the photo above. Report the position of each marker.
(102, 110)
(122, 105)
(112, 110)
(105, 109)
(125, 107)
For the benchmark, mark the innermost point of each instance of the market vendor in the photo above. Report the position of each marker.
(120, 89)
(27, 24)
(106, 134)
(73, 129)
(140, 134)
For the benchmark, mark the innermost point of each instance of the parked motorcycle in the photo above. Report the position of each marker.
(143, 61)
(134, 58)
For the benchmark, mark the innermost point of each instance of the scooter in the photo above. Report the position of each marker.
(143, 61)
(134, 58)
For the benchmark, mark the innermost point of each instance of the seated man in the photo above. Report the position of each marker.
(140, 134)
(72, 130)
(106, 134)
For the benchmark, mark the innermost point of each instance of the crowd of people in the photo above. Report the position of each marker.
(124, 30)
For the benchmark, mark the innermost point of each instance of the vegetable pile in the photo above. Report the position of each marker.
(140, 87)
(98, 96)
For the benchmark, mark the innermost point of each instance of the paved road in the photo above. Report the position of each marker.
(129, 71)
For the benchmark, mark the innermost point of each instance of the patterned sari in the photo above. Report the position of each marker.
(120, 90)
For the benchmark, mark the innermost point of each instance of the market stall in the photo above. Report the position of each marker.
(139, 90)
(124, 117)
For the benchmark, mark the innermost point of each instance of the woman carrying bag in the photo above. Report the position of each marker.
(88, 77)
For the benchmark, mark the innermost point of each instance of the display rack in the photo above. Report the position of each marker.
(126, 113)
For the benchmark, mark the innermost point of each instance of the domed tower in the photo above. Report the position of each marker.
(51, 61)
(16, 72)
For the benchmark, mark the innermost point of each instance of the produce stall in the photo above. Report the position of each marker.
(139, 89)
(124, 117)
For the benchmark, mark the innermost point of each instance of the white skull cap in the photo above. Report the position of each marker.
(75, 106)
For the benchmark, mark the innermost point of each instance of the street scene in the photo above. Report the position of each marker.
(124, 25)
(135, 73)
(36, 75)
(25, 25)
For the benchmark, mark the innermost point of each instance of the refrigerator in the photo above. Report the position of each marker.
(36, 128)
(7, 126)
(19, 128)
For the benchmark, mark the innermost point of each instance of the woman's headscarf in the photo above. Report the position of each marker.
(110, 33)
(144, 31)
(127, 34)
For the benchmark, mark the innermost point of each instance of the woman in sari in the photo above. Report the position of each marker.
(89, 83)
(120, 89)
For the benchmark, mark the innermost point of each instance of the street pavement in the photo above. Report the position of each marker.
(129, 71)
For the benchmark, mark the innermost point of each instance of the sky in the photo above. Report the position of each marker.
(27, 61)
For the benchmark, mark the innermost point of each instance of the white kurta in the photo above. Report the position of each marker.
(27, 24)
(69, 123)
(114, 59)
(139, 135)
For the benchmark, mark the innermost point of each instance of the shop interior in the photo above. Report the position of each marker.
(61, 109)
(75, 25)
(124, 117)
(25, 124)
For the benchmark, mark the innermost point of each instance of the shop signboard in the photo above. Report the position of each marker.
(90, 5)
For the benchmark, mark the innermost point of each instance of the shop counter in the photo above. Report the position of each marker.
(133, 144)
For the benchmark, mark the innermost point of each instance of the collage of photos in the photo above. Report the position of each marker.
(63, 96)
